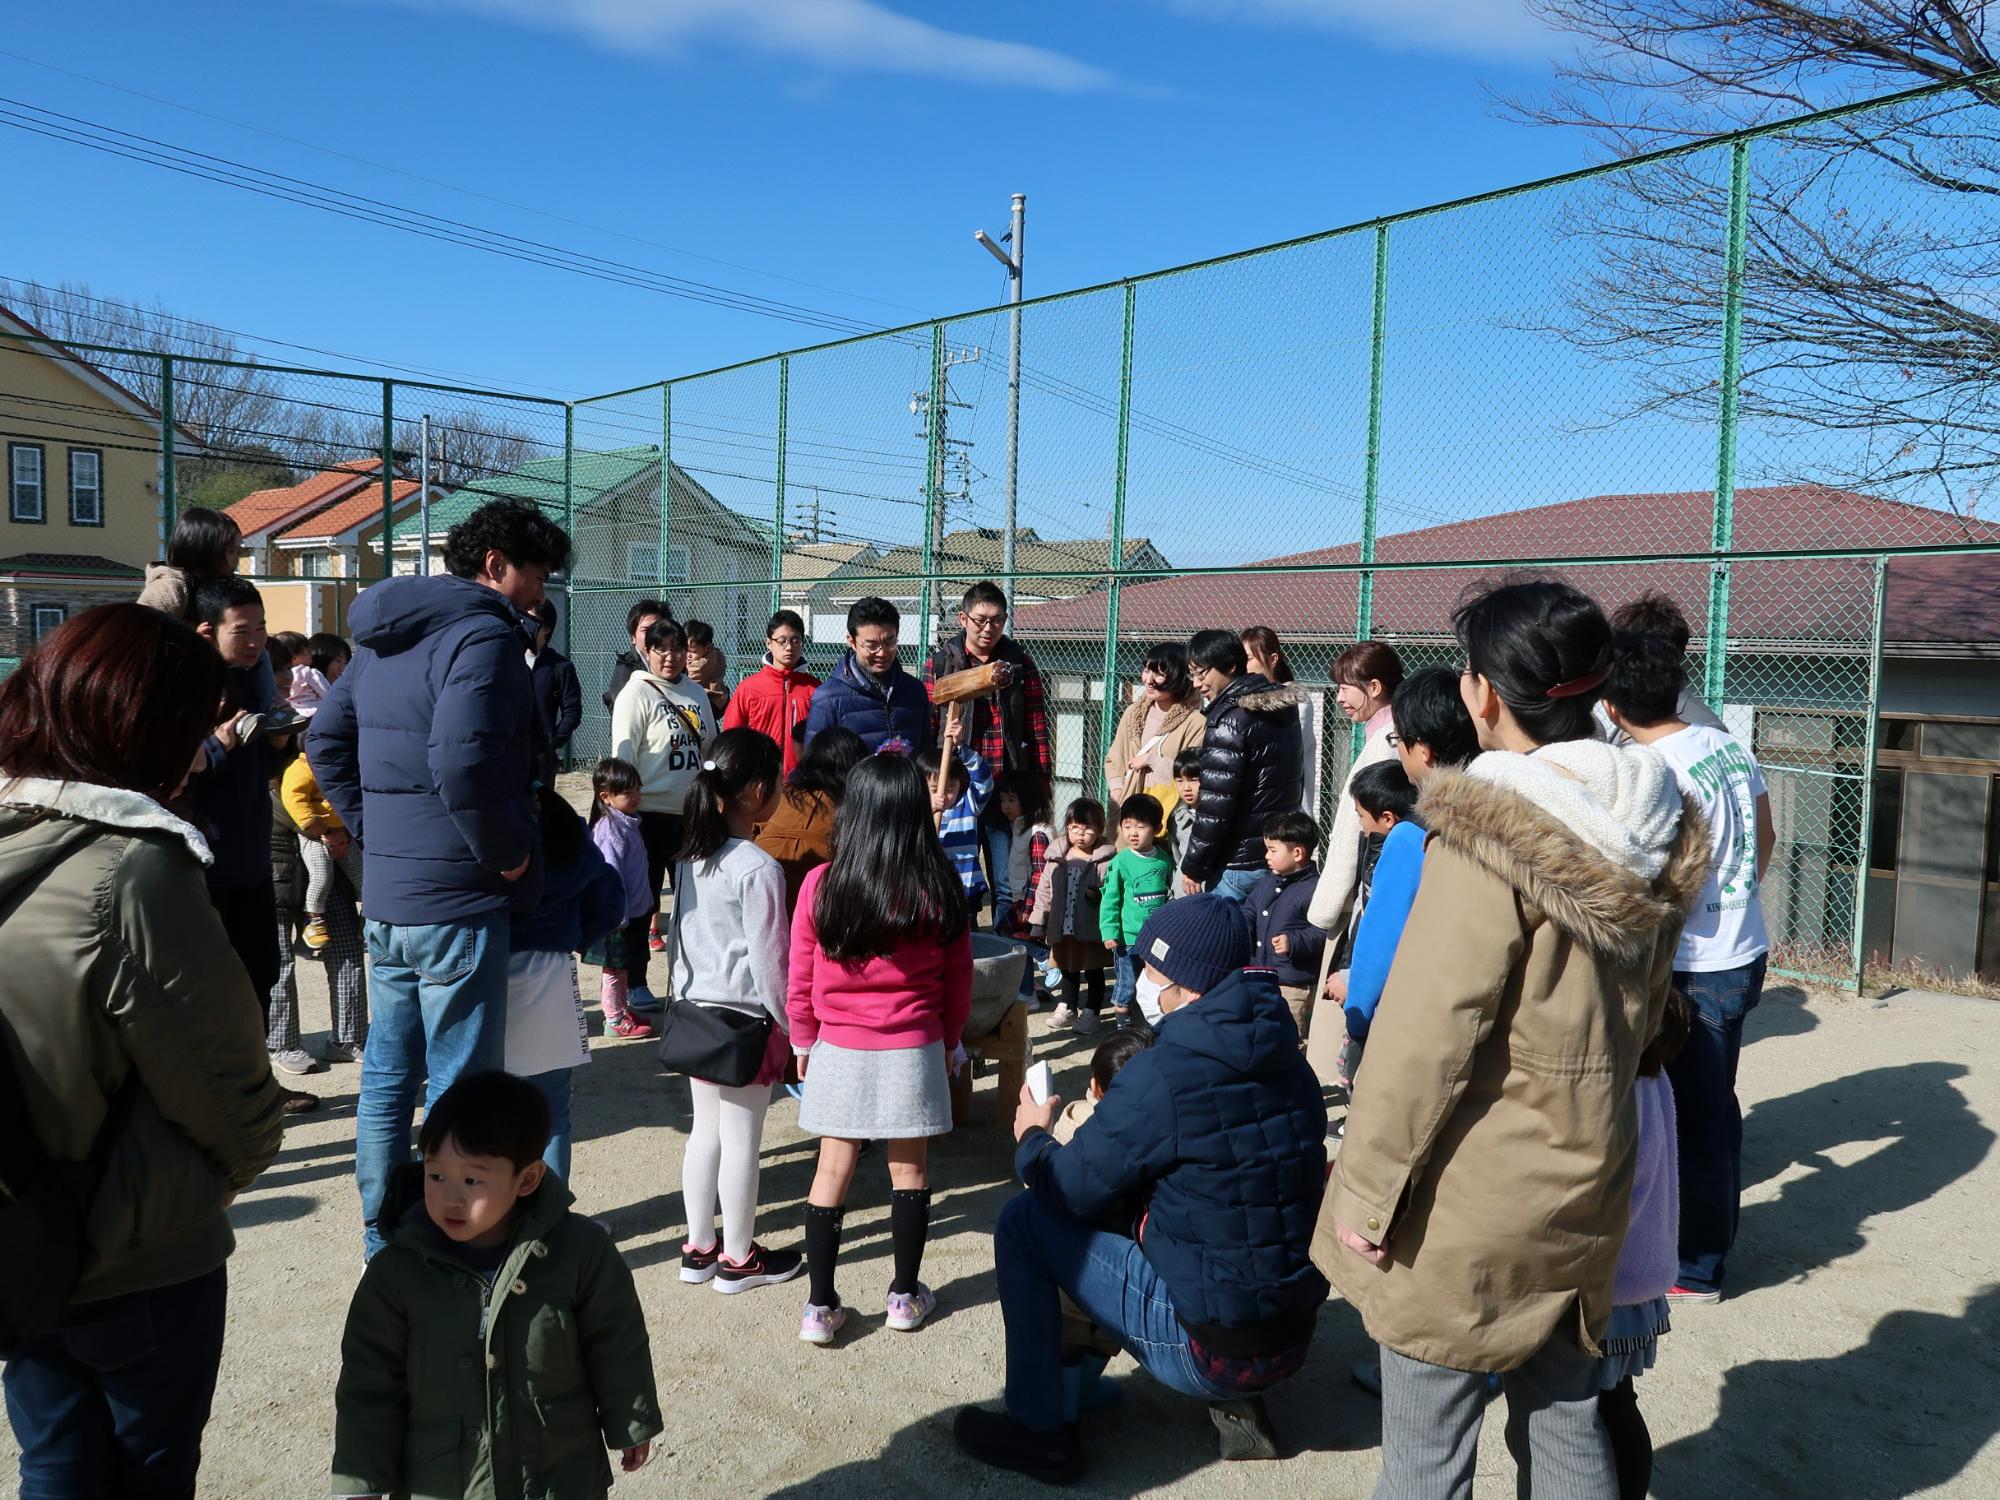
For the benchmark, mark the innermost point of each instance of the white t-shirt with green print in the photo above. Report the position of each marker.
(1720, 776)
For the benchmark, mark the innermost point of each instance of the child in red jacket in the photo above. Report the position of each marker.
(775, 699)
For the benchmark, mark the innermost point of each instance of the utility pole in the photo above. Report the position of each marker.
(949, 449)
(424, 498)
(1011, 259)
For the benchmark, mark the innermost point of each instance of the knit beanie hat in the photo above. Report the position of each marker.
(1197, 941)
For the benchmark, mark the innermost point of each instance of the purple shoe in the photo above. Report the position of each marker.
(907, 1310)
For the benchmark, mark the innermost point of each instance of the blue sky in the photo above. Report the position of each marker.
(846, 143)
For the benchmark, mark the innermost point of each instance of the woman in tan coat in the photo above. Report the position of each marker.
(1165, 719)
(1476, 1212)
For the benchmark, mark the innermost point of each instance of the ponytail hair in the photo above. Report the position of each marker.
(614, 776)
(737, 760)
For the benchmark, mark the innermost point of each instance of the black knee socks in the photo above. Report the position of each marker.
(1631, 1443)
(823, 1252)
(1092, 979)
(909, 1228)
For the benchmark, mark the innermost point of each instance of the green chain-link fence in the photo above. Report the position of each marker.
(1757, 374)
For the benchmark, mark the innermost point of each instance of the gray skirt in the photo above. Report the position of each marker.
(895, 1095)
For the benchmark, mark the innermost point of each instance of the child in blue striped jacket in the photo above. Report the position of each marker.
(961, 785)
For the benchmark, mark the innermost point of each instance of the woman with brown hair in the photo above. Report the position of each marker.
(1267, 656)
(145, 1045)
(1165, 719)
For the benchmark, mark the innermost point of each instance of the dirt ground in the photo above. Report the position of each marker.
(1858, 1353)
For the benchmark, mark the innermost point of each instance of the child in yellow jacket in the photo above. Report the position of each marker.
(324, 843)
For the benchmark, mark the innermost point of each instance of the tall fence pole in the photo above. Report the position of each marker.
(1116, 556)
(388, 478)
(1371, 482)
(933, 478)
(169, 503)
(778, 520)
(666, 481)
(1723, 529)
(569, 517)
(1873, 716)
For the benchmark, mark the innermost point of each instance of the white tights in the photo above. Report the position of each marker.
(722, 1161)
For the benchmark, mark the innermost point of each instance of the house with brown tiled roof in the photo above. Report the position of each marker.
(84, 512)
(1799, 671)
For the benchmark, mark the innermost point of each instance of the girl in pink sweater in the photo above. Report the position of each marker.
(880, 986)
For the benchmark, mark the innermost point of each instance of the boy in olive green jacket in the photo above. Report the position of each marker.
(495, 1347)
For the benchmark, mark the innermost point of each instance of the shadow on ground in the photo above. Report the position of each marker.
(1921, 1136)
(1889, 1445)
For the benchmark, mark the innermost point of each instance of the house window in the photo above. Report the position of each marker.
(642, 562)
(25, 487)
(48, 617)
(86, 487)
(312, 565)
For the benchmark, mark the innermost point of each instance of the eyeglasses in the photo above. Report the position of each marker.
(985, 622)
(1392, 739)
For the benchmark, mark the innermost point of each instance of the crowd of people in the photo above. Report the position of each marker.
(1518, 946)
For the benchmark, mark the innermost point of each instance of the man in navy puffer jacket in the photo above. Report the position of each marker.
(1218, 1136)
(869, 692)
(425, 748)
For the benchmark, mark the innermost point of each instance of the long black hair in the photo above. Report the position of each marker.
(823, 770)
(201, 540)
(736, 761)
(1539, 644)
(890, 879)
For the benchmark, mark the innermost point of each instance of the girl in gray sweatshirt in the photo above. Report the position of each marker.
(731, 943)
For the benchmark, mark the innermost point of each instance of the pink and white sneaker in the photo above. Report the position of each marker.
(820, 1324)
(907, 1310)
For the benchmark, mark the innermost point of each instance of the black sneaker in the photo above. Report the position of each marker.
(1245, 1429)
(698, 1266)
(997, 1440)
(760, 1267)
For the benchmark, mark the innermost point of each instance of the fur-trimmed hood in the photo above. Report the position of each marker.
(1604, 898)
(1260, 695)
(114, 807)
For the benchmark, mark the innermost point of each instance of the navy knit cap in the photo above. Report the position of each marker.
(1197, 941)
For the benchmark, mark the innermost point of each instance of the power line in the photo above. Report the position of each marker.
(454, 187)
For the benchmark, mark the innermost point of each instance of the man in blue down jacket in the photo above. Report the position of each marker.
(426, 748)
(1180, 1217)
(869, 692)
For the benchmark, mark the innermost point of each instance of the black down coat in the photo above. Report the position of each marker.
(1252, 769)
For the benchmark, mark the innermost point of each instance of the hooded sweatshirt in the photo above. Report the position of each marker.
(425, 748)
(661, 728)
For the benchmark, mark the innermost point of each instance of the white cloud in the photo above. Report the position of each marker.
(848, 35)
(1486, 28)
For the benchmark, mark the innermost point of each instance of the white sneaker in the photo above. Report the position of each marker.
(296, 1061)
(643, 999)
(1062, 1019)
(1086, 1022)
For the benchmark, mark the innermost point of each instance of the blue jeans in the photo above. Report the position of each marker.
(999, 841)
(556, 1088)
(1037, 955)
(1236, 884)
(113, 1399)
(1038, 1252)
(1125, 988)
(438, 997)
(1710, 1121)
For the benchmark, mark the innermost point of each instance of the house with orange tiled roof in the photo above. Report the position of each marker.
(304, 542)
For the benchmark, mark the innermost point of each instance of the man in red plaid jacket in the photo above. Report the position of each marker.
(1010, 729)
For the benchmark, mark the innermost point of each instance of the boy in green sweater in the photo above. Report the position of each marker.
(1139, 878)
(495, 1348)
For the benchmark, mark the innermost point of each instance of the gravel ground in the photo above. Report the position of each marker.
(1858, 1354)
